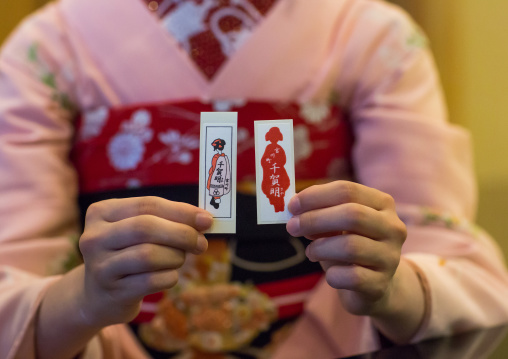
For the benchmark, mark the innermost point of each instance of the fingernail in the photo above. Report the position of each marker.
(204, 220)
(294, 205)
(308, 253)
(202, 244)
(293, 226)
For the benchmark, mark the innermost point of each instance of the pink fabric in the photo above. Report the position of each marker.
(366, 51)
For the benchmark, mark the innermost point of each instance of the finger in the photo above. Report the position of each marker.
(137, 286)
(351, 217)
(151, 229)
(354, 249)
(323, 235)
(143, 258)
(114, 210)
(336, 193)
(358, 279)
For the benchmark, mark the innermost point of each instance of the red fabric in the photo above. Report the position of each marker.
(205, 46)
(290, 310)
(144, 315)
(160, 163)
(293, 285)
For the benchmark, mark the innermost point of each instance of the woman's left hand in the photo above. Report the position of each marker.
(356, 236)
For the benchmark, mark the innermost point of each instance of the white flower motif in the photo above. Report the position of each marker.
(303, 146)
(314, 113)
(126, 148)
(184, 158)
(139, 125)
(141, 118)
(229, 40)
(179, 145)
(133, 183)
(170, 138)
(243, 134)
(93, 122)
(125, 151)
(187, 20)
(227, 105)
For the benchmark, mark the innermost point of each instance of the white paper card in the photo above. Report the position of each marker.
(275, 170)
(217, 169)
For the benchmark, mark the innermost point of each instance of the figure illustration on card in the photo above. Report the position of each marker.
(219, 174)
(275, 178)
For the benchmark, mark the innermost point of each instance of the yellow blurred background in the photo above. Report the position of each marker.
(469, 40)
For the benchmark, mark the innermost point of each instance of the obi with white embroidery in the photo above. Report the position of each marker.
(158, 144)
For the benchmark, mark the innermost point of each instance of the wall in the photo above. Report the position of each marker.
(483, 52)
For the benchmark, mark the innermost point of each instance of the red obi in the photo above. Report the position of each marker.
(158, 144)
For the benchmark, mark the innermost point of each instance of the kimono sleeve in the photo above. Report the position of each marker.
(38, 215)
(405, 147)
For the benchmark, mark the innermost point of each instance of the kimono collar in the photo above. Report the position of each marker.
(143, 63)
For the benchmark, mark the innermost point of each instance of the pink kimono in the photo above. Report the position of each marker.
(365, 52)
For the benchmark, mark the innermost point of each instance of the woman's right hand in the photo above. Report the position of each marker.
(132, 247)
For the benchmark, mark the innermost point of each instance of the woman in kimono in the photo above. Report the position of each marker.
(386, 198)
(275, 178)
(219, 179)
